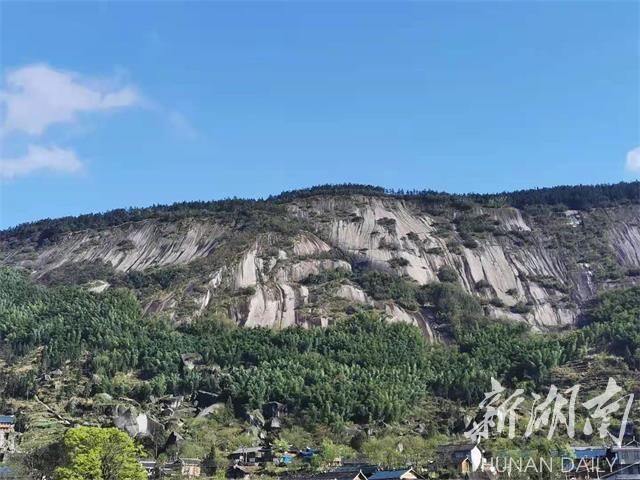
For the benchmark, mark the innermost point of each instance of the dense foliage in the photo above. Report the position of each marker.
(578, 197)
(359, 369)
(99, 454)
(615, 327)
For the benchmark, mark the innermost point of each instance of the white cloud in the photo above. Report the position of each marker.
(633, 160)
(40, 158)
(181, 125)
(38, 96)
(35, 97)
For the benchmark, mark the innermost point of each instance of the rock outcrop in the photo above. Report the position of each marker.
(536, 268)
(134, 423)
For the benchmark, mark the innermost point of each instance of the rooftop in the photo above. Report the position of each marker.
(243, 450)
(466, 447)
(590, 452)
(6, 472)
(334, 475)
(626, 448)
(389, 474)
(366, 468)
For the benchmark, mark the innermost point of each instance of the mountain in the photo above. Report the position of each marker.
(306, 257)
(135, 319)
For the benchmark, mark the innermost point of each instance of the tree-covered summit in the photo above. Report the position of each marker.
(580, 197)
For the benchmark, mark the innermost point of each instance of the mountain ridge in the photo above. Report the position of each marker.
(306, 257)
(571, 195)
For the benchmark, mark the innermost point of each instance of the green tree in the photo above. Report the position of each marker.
(94, 453)
(330, 454)
(386, 451)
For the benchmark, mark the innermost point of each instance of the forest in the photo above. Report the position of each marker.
(360, 369)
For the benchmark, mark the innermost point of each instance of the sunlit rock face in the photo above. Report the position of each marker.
(538, 268)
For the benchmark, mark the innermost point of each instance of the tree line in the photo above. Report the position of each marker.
(251, 213)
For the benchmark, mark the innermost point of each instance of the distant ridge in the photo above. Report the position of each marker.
(576, 197)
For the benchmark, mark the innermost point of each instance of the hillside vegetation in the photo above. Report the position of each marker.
(383, 369)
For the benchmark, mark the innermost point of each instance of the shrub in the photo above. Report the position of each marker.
(413, 236)
(387, 245)
(389, 224)
(384, 286)
(452, 304)
(521, 308)
(326, 276)
(398, 262)
(496, 302)
(447, 274)
(246, 291)
(454, 246)
(469, 242)
(126, 244)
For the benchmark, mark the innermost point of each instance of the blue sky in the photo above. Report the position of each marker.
(116, 104)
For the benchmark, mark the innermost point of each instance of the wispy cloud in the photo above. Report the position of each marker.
(633, 160)
(181, 125)
(37, 158)
(38, 96)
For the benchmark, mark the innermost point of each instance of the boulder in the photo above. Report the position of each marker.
(136, 424)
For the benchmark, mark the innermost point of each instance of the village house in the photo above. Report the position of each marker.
(614, 463)
(7, 435)
(401, 474)
(286, 457)
(8, 473)
(587, 463)
(248, 456)
(183, 467)
(190, 467)
(237, 472)
(149, 466)
(332, 475)
(308, 453)
(625, 461)
(357, 465)
(274, 410)
(464, 459)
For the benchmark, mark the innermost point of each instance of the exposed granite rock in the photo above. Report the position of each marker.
(260, 278)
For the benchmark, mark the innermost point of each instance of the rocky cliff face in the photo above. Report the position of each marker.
(536, 267)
